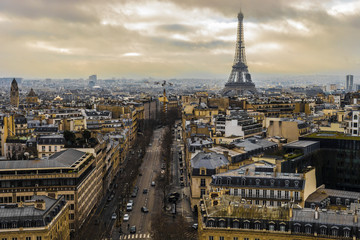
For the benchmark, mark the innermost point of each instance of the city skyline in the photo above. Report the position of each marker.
(184, 39)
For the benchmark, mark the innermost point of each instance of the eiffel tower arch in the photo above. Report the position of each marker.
(239, 82)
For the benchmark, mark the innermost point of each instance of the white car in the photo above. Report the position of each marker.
(126, 217)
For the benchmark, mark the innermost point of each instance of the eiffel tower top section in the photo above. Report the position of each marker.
(240, 79)
(240, 56)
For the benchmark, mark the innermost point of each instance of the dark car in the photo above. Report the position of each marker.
(133, 229)
(181, 178)
(182, 184)
(144, 209)
(145, 191)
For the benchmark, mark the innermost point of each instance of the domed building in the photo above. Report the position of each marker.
(32, 98)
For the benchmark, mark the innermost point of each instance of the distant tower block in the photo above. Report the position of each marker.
(240, 79)
(349, 82)
(14, 94)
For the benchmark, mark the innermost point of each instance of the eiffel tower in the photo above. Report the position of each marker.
(240, 79)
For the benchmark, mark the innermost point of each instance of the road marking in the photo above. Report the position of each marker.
(136, 236)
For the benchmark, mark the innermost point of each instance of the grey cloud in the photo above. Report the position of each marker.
(176, 28)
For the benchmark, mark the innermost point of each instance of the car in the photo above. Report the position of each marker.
(126, 217)
(134, 194)
(182, 184)
(129, 207)
(113, 216)
(133, 229)
(116, 186)
(153, 183)
(144, 209)
(145, 191)
(140, 174)
(181, 178)
(132, 202)
(195, 226)
(110, 198)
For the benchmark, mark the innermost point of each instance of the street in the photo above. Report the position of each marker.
(148, 171)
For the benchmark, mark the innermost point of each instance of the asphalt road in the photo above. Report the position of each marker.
(150, 167)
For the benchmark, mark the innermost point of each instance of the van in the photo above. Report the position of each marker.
(129, 207)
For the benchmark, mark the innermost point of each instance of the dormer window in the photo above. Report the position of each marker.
(272, 182)
(296, 183)
(287, 182)
(257, 182)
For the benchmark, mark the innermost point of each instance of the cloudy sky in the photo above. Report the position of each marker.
(176, 38)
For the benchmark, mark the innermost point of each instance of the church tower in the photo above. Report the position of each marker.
(14, 94)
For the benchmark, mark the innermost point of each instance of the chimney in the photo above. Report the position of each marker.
(40, 204)
(226, 154)
(355, 217)
(316, 215)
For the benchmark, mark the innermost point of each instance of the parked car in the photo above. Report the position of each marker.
(144, 209)
(195, 226)
(182, 184)
(133, 229)
(145, 191)
(153, 183)
(113, 216)
(129, 207)
(132, 202)
(126, 217)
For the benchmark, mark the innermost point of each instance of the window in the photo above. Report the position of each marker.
(279, 194)
(72, 206)
(250, 192)
(202, 192)
(257, 182)
(297, 228)
(55, 148)
(38, 238)
(202, 182)
(235, 238)
(246, 238)
(246, 225)
(308, 229)
(282, 228)
(272, 182)
(323, 230)
(287, 182)
(264, 193)
(271, 227)
(334, 232)
(236, 192)
(43, 148)
(257, 202)
(286, 194)
(346, 233)
(28, 238)
(271, 203)
(338, 201)
(279, 204)
(271, 193)
(14, 238)
(355, 124)
(211, 223)
(257, 192)
(221, 238)
(257, 226)
(347, 202)
(49, 148)
(4, 239)
(211, 237)
(296, 183)
(297, 196)
(242, 192)
(222, 223)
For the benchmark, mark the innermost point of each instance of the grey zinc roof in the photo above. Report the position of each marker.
(27, 211)
(209, 160)
(63, 159)
(301, 143)
(326, 218)
(322, 193)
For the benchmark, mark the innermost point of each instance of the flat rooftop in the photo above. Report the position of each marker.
(300, 144)
(331, 135)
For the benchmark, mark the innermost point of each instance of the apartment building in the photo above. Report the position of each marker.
(39, 218)
(262, 183)
(71, 173)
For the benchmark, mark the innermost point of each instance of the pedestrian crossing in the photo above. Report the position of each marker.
(136, 236)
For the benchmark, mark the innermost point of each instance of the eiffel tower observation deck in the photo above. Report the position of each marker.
(239, 82)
